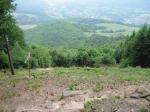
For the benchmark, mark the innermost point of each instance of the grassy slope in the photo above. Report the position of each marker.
(116, 73)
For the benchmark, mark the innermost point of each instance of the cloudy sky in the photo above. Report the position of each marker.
(106, 3)
(60, 2)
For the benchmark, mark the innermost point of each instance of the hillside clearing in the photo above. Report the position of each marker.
(43, 91)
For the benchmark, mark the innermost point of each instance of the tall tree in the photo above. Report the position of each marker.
(137, 48)
(9, 29)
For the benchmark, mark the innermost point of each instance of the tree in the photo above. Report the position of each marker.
(19, 57)
(40, 57)
(137, 48)
(9, 29)
(61, 59)
(8, 26)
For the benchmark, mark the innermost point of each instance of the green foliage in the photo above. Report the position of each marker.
(107, 60)
(77, 33)
(88, 106)
(125, 63)
(40, 57)
(137, 48)
(33, 84)
(9, 28)
(56, 34)
(82, 57)
(61, 58)
(118, 53)
(72, 87)
(3, 60)
(19, 55)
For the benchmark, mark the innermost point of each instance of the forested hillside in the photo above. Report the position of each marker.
(85, 32)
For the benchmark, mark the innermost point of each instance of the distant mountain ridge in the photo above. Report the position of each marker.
(126, 11)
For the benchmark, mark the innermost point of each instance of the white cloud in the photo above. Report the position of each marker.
(58, 2)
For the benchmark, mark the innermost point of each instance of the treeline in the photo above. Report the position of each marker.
(135, 51)
(92, 57)
(42, 57)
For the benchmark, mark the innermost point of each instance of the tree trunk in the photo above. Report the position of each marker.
(9, 56)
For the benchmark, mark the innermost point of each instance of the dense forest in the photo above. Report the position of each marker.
(132, 52)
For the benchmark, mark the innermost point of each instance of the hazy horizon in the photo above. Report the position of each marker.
(134, 12)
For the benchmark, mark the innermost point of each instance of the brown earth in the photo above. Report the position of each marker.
(54, 94)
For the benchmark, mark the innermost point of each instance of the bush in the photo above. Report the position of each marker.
(61, 59)
(3, 60)
(125, 63)
(107, 60)
(40, 57)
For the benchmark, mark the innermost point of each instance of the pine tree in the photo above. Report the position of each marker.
(137, 48)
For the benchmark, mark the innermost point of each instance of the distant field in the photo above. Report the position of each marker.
(113, 29)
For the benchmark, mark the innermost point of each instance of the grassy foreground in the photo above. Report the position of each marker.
(115, 73)
(135, 74)
(55, 80)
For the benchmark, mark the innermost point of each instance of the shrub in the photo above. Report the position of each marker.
(107, 60)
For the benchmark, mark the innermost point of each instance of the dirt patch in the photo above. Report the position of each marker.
(48, 98)
(114, 105)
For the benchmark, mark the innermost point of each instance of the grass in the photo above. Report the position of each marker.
(72, 87)
(120, 74)
(8, 95)
(33, 84)
(116, 74)
(124, 73)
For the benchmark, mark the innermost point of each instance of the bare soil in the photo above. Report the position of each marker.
(54, 95)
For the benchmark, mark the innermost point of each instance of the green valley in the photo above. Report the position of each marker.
(78, 33)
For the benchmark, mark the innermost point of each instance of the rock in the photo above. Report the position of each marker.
(72, 93)
(148, 98)
(104, 97)
(73, 106)
(52, 106)
(135, 95)
(142, 90)
(89, 91)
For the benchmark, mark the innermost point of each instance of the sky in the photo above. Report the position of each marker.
(65, 2)
(109, 9)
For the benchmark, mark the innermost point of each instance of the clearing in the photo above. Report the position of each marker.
(105, 89)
